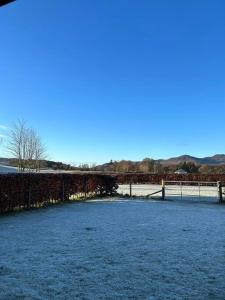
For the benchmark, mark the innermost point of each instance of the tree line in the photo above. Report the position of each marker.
(148, 165)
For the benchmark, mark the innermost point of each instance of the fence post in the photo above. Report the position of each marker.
(130, 189)
(85, 186)
(181, 191)
(29, 197)
(29, 192)
(63, 190)
(220, 192)
(163, 189)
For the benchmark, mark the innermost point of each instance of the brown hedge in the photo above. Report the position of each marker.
(19, 191)
(157, 178)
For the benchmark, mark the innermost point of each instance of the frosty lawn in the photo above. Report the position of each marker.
(118, 249)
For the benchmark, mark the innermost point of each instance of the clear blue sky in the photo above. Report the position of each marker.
(101, 79)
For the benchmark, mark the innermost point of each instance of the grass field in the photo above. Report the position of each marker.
(114, 249)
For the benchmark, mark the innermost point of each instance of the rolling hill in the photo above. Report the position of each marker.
(218, 159)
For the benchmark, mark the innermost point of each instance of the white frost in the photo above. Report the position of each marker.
(114, 250)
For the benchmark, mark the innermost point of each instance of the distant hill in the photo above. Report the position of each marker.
(218, 159)
(8, 162)
(45, 164)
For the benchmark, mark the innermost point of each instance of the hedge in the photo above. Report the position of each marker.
(21, 191)
(157, 178)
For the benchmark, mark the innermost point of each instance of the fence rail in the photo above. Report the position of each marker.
(192, 183)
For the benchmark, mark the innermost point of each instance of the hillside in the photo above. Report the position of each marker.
(218, 159)
(45, 164)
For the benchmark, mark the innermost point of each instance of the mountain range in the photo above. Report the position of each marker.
(218, 159)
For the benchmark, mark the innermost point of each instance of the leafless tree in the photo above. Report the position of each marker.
(26, 146)
(39, 152)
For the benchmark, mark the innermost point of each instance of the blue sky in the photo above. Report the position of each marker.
(121, 79)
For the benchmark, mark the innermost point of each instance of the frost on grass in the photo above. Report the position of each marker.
(114, 250)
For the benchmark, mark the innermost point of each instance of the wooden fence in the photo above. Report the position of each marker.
(206, 190)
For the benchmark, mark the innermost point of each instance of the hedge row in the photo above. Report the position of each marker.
(19, 191)
(157, 178)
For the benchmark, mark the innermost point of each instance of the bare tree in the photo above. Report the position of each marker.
(39, 152)
(26, 146)
(16, 143)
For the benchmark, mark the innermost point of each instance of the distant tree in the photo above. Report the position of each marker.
(84, 167)
(26, 146)
(158, 167)
(146, 165)
(189, 167)
(119, 166)
(207, 169)
(93, 166)
(166, 169)
(123, 166)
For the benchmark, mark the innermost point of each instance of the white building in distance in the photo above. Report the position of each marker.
(181, 172)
